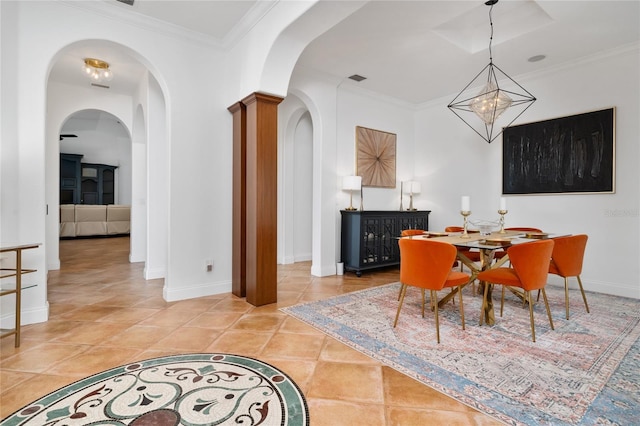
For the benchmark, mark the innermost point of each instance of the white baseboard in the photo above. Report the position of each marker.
(28, 316)
(202, 290)
(302, 257)
(136, 257)
(153, 274)
(323, 271)
(614, 289)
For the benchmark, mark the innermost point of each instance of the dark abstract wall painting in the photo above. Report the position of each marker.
(573, 154)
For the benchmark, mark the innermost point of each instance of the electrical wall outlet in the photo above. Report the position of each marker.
(208, 265)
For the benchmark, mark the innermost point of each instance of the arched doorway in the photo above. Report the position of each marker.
(133, 89)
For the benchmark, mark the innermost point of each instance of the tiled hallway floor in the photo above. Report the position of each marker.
(104, 314)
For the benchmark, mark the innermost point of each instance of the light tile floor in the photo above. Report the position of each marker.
(104, 314)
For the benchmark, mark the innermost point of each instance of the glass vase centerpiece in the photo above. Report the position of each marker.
(486, 227)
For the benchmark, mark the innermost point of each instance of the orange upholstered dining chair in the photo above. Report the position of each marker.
(566, 261)
(473, 256)
(426, 264)
(501, 253)
(529, 271)
(523, 229)
(411, 232)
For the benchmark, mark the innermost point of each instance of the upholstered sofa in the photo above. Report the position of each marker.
(84, 220)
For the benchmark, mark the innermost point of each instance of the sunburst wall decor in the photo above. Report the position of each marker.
(376, 157)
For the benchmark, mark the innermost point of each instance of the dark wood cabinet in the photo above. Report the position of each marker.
(86, 183)
(70, 178)
(370, 238)
(98, 184)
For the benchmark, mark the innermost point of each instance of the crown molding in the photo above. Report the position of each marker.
(248, 21)
(123, 13)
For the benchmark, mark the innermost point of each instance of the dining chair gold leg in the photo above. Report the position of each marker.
(566, 295)
(423, 300)
(433, 297)
(502, 301)
(584, 297)
(546, 304)
(533, 327)
(461, 310)
(403, 290)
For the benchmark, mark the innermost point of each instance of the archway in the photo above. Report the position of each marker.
(295, 181)
(140, 93)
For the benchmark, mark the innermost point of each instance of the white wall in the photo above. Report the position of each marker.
(157, 180)
(455, 162)
(359, 108)
(303, 188)
(138, 248)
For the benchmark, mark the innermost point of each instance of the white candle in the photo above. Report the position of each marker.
(503, 203)
(466, 204)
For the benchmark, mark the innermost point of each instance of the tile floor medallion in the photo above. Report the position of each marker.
(193, 389)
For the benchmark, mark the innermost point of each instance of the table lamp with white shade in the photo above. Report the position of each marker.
(351, 183)
(411, 187)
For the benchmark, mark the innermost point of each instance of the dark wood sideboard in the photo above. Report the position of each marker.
(86, 183)
(370, 238)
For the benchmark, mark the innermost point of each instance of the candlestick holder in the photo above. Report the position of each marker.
(465, 214)
(502, 213)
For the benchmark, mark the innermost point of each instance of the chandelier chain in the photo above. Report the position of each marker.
(490, 36)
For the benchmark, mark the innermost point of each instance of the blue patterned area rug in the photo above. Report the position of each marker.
(193, 389)
(586, 371)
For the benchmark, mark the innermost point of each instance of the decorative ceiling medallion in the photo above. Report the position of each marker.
(376, 157)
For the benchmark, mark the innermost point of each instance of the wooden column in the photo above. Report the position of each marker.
(239, 249)
(255, 129)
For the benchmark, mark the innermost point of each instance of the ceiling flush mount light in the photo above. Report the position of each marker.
(494, 98)
(97, 70)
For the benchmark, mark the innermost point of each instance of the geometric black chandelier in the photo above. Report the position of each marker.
(493, 99)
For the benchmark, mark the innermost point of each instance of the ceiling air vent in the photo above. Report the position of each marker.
(129, 2)
(357, 78)
(100, 85)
